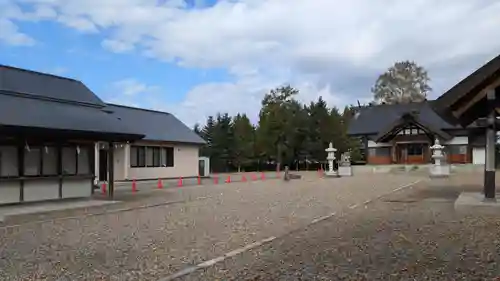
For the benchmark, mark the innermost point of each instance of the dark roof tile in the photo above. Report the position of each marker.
(155, 125)
(21, 111)
(373, 119)
(27, 82)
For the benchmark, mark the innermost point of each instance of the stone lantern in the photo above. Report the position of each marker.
(438, 168)
(331, 158)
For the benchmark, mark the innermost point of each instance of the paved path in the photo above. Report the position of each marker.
(153, 243)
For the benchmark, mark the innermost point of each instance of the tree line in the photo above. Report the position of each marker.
(295, 134)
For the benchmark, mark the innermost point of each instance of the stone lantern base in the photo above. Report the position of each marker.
(333, 174)
(439, 171)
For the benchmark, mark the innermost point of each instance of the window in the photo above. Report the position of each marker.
(170, 156)
(415, 150)
(413, 130)
(134, 157)
(149, 156)
(69, 160)
(32, 161)
(156, 157)
(84, 161)
(137, 156)
(152, 156)
(380, 151)
(49, 161)
(141, 156)
(456, 149)
(163, 157)
(8, 161)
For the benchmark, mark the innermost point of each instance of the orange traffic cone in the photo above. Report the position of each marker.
(243, 178)
(254, 177)
(320, 172)
(179, 182)
(199, 180)
(134, 186)
(103, 188)
(160, 184)
(228, 180)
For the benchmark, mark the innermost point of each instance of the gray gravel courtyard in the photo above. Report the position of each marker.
(413, 234)
(150, 243)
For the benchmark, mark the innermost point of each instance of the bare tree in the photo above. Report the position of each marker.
(404, 82)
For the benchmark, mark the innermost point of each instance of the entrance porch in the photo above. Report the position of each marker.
(412, 153)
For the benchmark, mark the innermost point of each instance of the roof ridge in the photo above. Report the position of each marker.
(44, 98)
(139, 108)
(39, 73)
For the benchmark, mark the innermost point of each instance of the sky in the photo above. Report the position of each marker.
(194, 58)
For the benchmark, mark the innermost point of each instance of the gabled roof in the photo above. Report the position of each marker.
(374, 119)
(470, 89)
(43, 85)
(35, 101)
(405, 120)
(20, 111)
(155, 125)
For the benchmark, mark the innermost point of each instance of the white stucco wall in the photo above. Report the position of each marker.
(378, 144)
(9, 192)
(120, 162)
(478, 155)
(457, 140)
(186, 158)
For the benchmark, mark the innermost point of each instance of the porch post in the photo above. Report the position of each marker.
(111, 168)
(489, 168)
(126, 161)
(96, 162)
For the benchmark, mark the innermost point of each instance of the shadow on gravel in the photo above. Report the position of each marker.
(432, 191)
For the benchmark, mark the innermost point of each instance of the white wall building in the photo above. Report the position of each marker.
(169, 149)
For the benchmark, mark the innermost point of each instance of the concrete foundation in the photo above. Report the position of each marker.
(333, 174)
(475, 203)
(44, 207)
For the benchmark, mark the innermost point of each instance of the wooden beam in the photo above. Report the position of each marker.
(483, 123)
(457, 113)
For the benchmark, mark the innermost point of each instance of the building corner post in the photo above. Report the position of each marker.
(111, 168)
(489, 168)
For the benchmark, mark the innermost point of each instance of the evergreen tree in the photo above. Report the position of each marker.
(244, 136)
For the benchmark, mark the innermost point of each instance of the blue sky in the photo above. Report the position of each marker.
(199, 57)
(64, 52)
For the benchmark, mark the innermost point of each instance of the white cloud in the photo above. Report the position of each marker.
(10, 34)
(59, 70)
(131, 87)
(117, 46)
(331, 47)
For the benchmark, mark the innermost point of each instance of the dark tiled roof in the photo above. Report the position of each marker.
(406, 119)
(155, 125)
(21, 111)
(466, 90)
(37, 100)
(374, 119)
(27, 82)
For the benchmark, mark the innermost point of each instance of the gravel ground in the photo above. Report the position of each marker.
(147, 244)
(411, 235)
